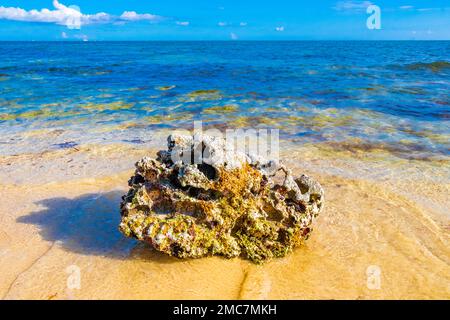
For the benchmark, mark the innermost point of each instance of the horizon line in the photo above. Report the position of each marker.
(226, 40)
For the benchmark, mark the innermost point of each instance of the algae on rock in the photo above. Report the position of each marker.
(227, 205)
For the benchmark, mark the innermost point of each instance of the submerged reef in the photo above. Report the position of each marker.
(219, 202)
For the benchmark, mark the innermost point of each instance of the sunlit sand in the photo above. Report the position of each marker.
(383, 215)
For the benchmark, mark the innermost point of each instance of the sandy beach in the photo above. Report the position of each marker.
(60, 210)
(369, 120)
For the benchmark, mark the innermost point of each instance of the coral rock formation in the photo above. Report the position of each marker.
(227, 203)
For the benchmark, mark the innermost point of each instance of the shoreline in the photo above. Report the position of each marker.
(389, 217)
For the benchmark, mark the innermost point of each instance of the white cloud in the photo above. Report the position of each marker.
(64, 35)
(243, 24)
(134, 16)
(82, 37)
(233, 36)
(71, 16)
(279, 29)
(422, 9)
(222, 24)
(182, 23)
(352, 6)
(427, 9)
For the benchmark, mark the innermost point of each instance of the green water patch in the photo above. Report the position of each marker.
(287, 121)
(83, 71)
(136, 89)
(105, 96)
(217, 110)
(441, 102)
(409, 90)
(113, 106)
(169, 118)
(359, 148)
(253, 121)
(439, 138)
(210, 94)
(324, 120)
(436, 66)
(11, 104)
(43, 113)
(56, 110)
(165, 88)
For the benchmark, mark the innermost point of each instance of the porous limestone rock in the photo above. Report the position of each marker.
(224, 203)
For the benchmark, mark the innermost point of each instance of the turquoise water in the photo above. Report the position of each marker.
(365, 95)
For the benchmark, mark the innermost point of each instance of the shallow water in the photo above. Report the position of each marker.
(368, 120)
(57, 95)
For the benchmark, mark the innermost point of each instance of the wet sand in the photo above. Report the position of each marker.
(60, 209)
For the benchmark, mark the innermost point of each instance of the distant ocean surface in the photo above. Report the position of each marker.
(392, 96)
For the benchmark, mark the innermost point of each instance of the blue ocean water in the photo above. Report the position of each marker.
(388, 95)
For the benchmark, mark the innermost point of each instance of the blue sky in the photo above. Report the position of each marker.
(79, 20)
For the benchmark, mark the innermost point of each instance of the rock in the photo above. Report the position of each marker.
(226, 203)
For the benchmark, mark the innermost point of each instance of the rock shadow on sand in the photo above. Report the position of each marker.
(88, 225)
